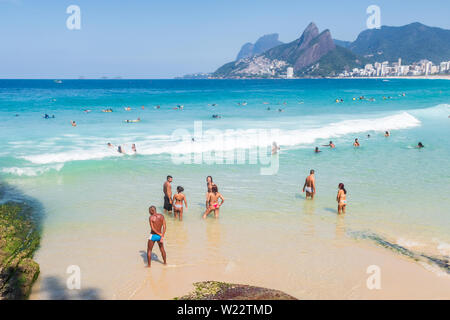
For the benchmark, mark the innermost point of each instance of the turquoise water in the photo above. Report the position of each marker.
(394, 189)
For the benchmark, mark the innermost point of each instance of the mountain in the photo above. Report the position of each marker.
(333, 63)
(299, 54)
(264, 43)
(342, 43)
(412, 43)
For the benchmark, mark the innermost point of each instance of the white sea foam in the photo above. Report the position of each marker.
(225, 140)
(32, 171)
(442, 247)
(408, 243)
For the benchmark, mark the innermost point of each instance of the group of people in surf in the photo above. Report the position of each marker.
(357, 144)
(120, 148)
(176, 202)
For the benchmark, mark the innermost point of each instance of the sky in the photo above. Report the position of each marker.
(164, 39)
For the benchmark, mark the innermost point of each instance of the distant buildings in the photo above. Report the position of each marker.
(290, 73)
(384, 69)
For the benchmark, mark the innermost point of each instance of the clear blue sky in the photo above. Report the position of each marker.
(163, 39)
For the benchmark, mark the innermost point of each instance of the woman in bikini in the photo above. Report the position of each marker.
(213, 202)
(209, 184)
(177, 200)
(341, 198)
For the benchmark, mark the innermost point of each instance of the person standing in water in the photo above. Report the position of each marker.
(387, 134)
(356, 143)
(133, 148)
(158, 229)
(275, 148)
(420, 145)
(209, 184)
(167, 189)
(213, 202)
(310, 185)
(341, 198)
(177, 201)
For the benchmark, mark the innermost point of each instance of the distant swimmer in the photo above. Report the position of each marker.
(216, 116)
(356, 143)
(87, 110)
(316, 150)
(275, 148)
(143, 108)
(109, 145)
(120, 150)
(107, 110)
(158, 229)
(368, 136)
(310, 185)
(133, 148)
(280, 110)
(213, 202)
(167, 189)
(157, 107)
(387, 134)
(74, 124)
(127, 109)
(420, 145)
(133, 121)
(341, 198)
(331, 145)
(177, 201)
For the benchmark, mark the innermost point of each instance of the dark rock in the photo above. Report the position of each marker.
(19, 238)
(213, 290)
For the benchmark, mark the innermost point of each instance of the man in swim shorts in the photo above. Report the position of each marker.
(157, 231)
(310, 185)
(167, 189)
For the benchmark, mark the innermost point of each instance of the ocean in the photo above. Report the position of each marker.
(94, 201)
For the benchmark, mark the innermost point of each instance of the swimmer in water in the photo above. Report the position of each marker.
(109, 145)
(133, 147)
(387, 134)
(310, 185)
(120, 150)
(316, 150)
(74, 124)
(331, 145)
(158, 229)
(341, 198)
(213, 202)
(356, 143)
(368, 136)
(420, 145)
(177, 201)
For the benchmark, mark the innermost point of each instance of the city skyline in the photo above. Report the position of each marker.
(156, 40)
